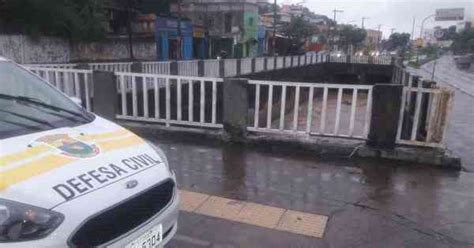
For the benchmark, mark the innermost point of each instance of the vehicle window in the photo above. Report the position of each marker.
(28, 104)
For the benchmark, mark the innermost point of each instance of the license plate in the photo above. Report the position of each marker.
(151, 239)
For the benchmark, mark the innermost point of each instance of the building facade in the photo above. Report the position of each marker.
(231, 25)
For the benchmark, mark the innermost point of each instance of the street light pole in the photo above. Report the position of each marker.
(423, 25)
(335, 24)
(335, 13)
(179, 54)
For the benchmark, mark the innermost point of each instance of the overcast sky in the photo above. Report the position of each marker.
(390, 13)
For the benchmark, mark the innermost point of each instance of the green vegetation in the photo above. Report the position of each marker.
(297, 30)
(350, 35)
(463, 42)
(77, 20)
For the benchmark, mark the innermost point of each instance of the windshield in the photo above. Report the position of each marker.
(29, 104)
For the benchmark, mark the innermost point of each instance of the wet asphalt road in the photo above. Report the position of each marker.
(370, 203)
(460, 136)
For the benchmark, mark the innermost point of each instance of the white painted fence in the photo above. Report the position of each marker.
(211, 68)
(315, 109)
(112, 67)
(424, 116)
(58, 66)
(360, 59)
(259, 64)
(280, 63)
(188, 68)
(230, 67)
(288, 61)
(167, 103)
(246, 66)
(270, 63)
(74, 83)
(156, 67)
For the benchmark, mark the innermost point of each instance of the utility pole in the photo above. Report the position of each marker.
(378, 37)
(274, 27)
(335, 13)
(180, 48)
(363, 21)
(129, 29)
(335, 25)
(413, 29)
(391, 31)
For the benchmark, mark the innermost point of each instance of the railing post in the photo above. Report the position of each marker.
(136, 67)
(348, 59)
(265, 64)
(239, 67)
(284, 62)
(235, 111)
(201, 68)
(371, 59)
(82, 82)
(275, 62)
(221, 68)
(384, 121)
(174, 68)
(105, 94)
(311, 60)
(253, 65)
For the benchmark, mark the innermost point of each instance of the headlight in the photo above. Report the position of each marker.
(21, 222)
(161, 154)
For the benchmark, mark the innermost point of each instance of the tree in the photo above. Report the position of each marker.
(349, 35)
(398, 41)
(297, 30)
(464, 42)
(76, 20)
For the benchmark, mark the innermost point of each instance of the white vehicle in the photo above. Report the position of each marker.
(70, 178)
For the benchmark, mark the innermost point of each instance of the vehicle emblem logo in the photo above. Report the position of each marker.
(70, 146)
(132, 184)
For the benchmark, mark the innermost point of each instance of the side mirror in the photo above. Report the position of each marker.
(76, 100)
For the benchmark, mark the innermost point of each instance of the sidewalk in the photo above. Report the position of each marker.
(369, 203)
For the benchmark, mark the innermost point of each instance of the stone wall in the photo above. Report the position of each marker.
(114, 49)
(26, 50)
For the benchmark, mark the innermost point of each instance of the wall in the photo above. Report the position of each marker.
(114, 49)
(23, 49)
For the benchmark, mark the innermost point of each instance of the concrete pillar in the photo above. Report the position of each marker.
(136, 67)
(235, 114)
(82, 82)
(239, 67)
(275, 62)
(105, 94)
(284, 62)
(201, 68)
(174, 68)
(222, 68)
(387, 99)
(253, 66)
(265, 64)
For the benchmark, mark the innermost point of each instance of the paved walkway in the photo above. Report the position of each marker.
(369, 203)
(460, 136)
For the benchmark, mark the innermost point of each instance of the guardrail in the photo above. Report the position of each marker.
(156, 67)
(57, 66)
(312, 109)
(74, 83)
(113, 67)
(178, 100)
(188, 68)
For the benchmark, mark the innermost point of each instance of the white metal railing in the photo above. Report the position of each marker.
(280, 63)
(188, 68)
(360, 59)
(246, 66)
(312, 109)
(57, 66)
(211, 68)
(178, 101)
(424, 116)
(112, 67)
(230, 67)
(337, 59)
(382, 60)
(156, 67)
(74, 83)
(288, 61)
(270, 63)
(259, 64)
